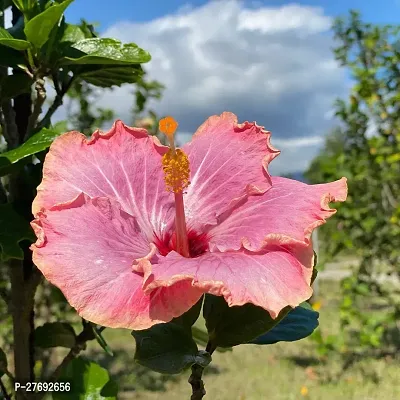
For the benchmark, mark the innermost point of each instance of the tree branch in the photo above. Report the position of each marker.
(37, 109)
(198, 390)
(58, 101)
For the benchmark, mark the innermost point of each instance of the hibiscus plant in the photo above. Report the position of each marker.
(137, 234)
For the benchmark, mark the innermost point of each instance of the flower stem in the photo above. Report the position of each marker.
(198, 391)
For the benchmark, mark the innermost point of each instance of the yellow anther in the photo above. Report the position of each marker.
(176, 169)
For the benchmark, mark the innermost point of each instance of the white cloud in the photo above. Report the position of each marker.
(273, 65)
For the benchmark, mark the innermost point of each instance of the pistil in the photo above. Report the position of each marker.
(176, 169)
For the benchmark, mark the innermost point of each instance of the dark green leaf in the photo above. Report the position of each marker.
(107, 76)
(101, 341)
(10, 57)
(165, 348)
(105, 51)
(7, 40)
(37, 143)
(3, 362)
(14, 85)
(298, 324)
(231, 326)
(55, 334)
(88, 381)
(38, 29)
(13, 229)
(189, 317)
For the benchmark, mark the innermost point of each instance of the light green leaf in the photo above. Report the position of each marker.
(25, 5)
(38, 29)
(37, 143)
(72, 34)
(104, 51)
(7, 40)
(13, 229)
(55, 334)
(88, 381)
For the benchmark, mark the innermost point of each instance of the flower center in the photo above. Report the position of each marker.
(198, 243)
(176, 175)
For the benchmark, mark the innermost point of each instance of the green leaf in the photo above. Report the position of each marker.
(106, 76)
(165, 348)
(14, 85)
(37, 143)
(55, 334)
(105, 51)
(13, 229)
(88, 381)
(101, 341)
(25, 5)
(298, 324)
(7, 40)
(38, 29)
(231, 326)
(72, 34)
(3, 362)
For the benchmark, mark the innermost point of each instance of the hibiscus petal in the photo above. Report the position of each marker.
(86, 248)
(124, 164)
(272, 280)
(286, 213)
(227, 161)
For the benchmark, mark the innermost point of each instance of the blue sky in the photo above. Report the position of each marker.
(267, 61)
(108, 12)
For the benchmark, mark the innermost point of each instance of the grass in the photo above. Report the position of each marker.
(285, 371)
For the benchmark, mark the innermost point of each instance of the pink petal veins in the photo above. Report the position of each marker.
(87, 248)
(123, 164)
(228, 161)
(287, 213)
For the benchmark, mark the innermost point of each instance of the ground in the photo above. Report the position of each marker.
(284, 371)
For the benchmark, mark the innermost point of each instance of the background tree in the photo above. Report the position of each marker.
(365, 148)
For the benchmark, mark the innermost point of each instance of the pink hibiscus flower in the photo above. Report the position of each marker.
(131, 242)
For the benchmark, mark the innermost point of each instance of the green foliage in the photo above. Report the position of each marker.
(88, 380)
(368, 222)
(36, 144)
(166, 348)
(7, 40)
(104, 51)
(55, 334)
(231, 326)
(38, 29)
(13, 229)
